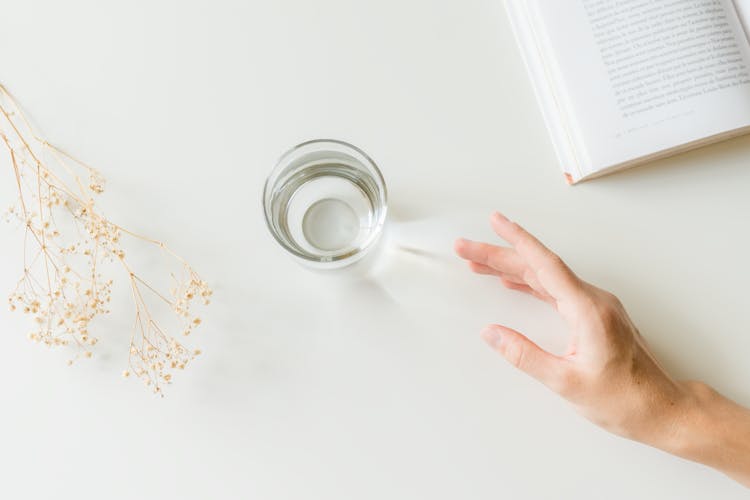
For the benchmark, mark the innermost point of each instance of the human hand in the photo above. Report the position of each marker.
(607, 371)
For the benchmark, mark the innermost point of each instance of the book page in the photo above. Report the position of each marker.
(638, 76)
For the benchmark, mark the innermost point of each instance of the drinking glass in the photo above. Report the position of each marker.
(325, 203)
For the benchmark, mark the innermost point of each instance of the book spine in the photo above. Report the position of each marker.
(543, 89)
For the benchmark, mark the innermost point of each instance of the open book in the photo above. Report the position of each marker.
(622, 82)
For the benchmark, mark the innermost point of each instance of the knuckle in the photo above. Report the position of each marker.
(615, 318)
(522, 246)
(609, 308)
(612, 300)
(515, 353)
(608, 313)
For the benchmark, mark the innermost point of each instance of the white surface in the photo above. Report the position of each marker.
(318, 388)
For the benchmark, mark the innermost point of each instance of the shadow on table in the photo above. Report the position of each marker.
(727, 158)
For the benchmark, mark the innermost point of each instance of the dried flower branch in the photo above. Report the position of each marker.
(66, 245)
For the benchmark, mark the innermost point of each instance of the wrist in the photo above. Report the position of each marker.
(712, 430)
(695, 431)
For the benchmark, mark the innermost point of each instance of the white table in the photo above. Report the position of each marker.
(320, 388)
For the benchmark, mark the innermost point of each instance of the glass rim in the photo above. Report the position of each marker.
(352, 254)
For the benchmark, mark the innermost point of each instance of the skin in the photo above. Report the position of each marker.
(607, 372)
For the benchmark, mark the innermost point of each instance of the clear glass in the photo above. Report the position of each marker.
(326, 203)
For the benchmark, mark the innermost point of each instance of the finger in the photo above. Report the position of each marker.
(482, 269)
(511, 282)
(520, 287)
(491, 271)
(528, 357)
(552, 273)
(500, 258)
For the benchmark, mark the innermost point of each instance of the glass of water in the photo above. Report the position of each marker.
(326, 203)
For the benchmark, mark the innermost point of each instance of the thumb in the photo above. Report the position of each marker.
(525, 354)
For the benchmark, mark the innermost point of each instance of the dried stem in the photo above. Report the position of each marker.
(62, 286)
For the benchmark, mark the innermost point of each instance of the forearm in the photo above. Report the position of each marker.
(714, 431)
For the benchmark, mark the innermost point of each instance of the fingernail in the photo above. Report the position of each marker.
(500, 216)
(492, 337)
(464, 241)
(459, 244)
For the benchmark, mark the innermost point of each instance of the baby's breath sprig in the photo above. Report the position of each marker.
(66, 244)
